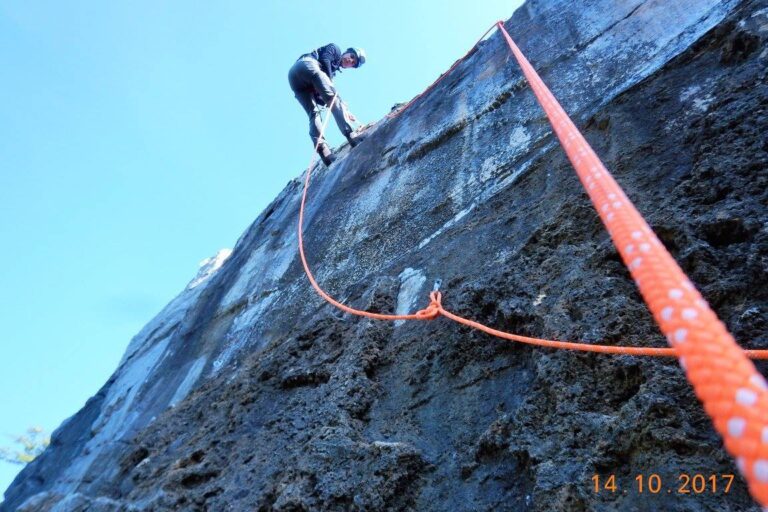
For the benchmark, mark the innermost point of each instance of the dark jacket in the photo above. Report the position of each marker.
(329, 57)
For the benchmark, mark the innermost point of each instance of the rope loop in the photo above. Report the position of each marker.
(433, 310)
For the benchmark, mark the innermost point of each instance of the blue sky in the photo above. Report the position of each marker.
(138, 138)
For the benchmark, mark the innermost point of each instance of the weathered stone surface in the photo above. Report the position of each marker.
(249, 393)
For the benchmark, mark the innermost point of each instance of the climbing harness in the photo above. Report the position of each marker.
(733, 392)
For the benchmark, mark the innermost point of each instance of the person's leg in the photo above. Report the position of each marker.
(313, 111)
(341, 119)
(327, 91)
(300, 78)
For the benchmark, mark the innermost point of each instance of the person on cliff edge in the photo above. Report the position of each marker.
(311, 79)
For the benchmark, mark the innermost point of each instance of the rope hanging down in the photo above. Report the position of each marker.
(732, 391)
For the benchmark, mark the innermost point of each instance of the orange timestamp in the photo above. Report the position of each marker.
(653, 483)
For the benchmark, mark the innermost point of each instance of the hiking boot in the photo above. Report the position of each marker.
(328, 159)
(354, 140)
(326, 155)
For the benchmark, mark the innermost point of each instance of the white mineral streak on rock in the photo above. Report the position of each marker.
(411, 284)
(689, 92)
(702, 104)
(488, 168)
(264, 267)
(367, 203)
(237, 337)
(519, 139)
(393, 444)
(194, 372)
(455, 220)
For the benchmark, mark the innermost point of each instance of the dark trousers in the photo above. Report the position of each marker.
(306, 78)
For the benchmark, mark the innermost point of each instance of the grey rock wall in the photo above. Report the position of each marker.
(247, 392)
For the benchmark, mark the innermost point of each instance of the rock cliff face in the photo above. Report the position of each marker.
(247, 392)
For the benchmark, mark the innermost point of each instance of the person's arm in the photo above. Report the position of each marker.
(330, 53)
(347, 113)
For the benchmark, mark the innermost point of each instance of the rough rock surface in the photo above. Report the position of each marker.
(247, 392)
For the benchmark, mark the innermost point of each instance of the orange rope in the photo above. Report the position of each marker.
(733, 392)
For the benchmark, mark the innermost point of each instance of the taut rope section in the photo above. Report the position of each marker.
(733, 392)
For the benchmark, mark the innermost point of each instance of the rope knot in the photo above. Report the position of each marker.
(434, 308)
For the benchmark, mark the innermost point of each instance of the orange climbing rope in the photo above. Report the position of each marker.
(732, 391)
